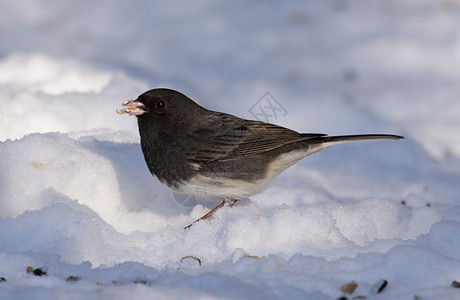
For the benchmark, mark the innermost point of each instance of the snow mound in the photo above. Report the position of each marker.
(79, 207)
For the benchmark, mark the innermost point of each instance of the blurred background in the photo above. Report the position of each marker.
(335, 66)
(360, 212)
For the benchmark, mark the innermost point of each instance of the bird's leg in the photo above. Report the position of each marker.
(229, 201)
(209, 214)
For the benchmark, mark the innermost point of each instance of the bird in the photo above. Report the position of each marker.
(188, 147)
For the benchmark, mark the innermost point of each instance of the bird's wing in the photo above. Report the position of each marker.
(224, 137)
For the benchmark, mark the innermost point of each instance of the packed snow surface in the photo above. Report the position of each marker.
(79, 207)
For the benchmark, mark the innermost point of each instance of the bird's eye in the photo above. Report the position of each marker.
(160, 104)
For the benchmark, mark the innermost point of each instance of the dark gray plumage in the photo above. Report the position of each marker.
(187, 146)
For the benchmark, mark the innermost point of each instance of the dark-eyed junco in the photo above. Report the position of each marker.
(188, 147)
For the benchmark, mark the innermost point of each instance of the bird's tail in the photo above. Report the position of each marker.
(358, 137)
(322, 142)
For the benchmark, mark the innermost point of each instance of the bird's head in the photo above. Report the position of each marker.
(163, 110)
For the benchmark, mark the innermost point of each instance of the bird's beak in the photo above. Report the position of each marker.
(133, 107)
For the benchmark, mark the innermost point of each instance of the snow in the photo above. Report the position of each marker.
(76, 198)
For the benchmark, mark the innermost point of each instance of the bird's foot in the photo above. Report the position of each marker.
(229, 201)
